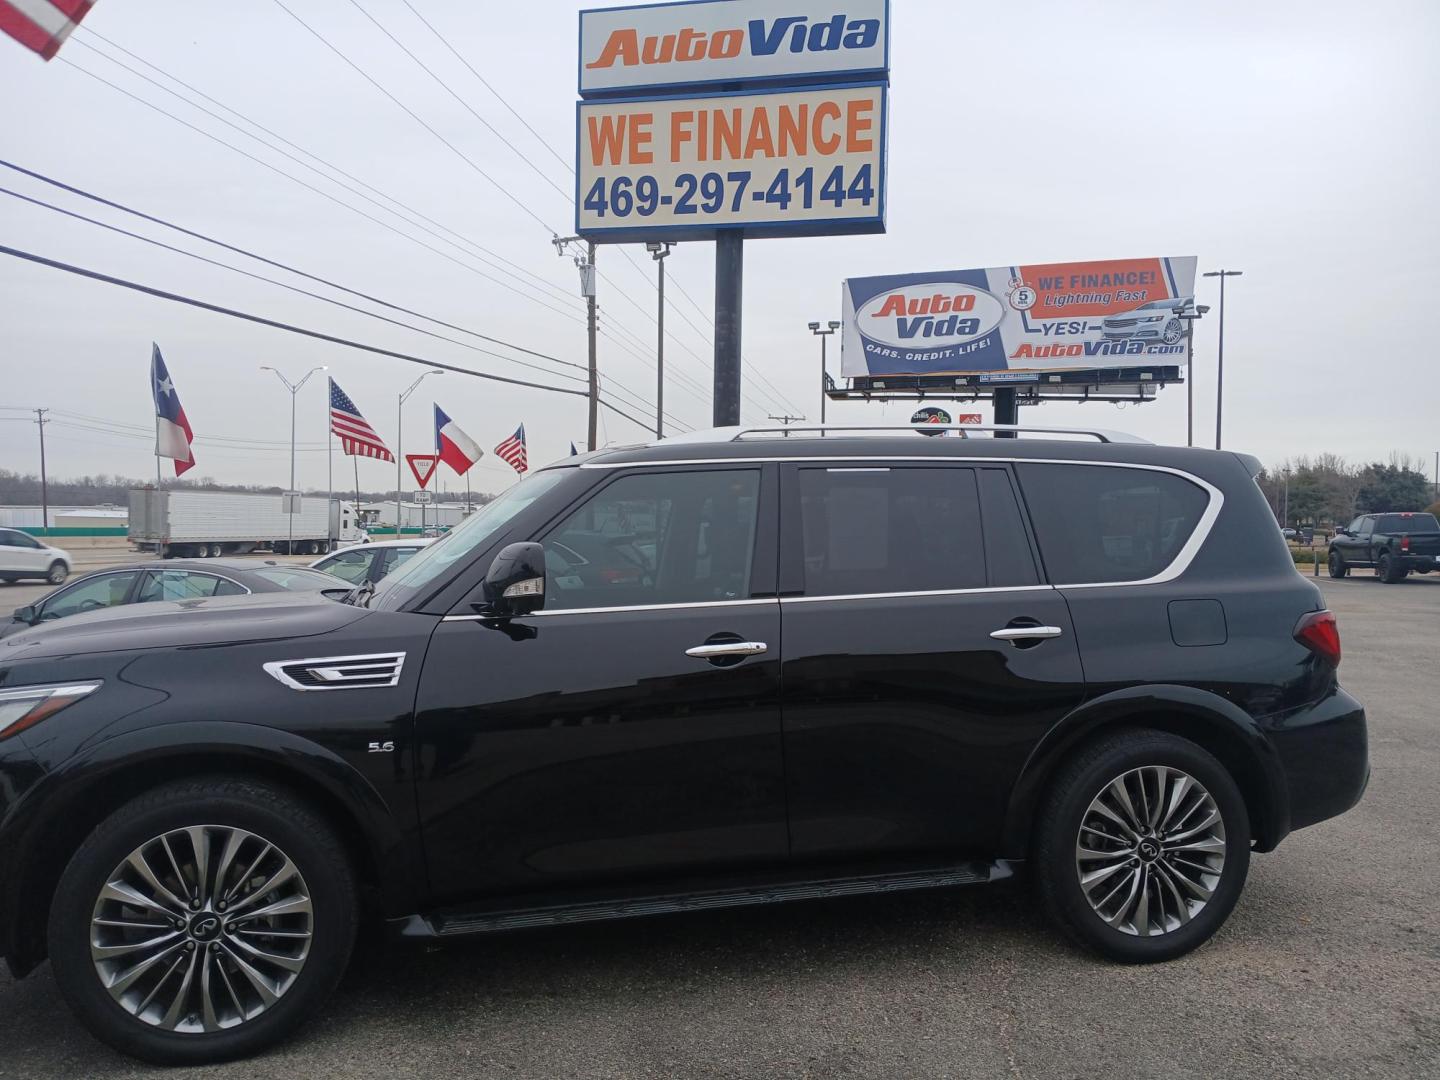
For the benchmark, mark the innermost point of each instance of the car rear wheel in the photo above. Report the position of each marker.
(202, 921)
(1338, 569)
(1388, 572)
(57, 573)
(1142, 847)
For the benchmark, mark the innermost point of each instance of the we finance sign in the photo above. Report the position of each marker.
(627, 50)
(789, 163)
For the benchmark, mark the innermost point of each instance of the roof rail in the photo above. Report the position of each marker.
(1101, 434)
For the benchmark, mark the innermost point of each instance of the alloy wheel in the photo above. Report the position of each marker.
(201, 929)
(1150, 851)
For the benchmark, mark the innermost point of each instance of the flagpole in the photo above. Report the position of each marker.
(330, 468)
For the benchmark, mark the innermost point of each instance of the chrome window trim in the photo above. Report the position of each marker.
(245, 589)
(276, 669)
(918, 592)
(628, 607)
(1178, 565)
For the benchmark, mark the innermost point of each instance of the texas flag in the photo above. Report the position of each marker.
(455, 448)
(172, 431)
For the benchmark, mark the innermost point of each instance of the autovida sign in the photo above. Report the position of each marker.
(750, 115)
(1044, 317)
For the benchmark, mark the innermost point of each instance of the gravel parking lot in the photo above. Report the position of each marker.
(1327, 968)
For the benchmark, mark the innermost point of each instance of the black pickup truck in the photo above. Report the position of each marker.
(1394, 544)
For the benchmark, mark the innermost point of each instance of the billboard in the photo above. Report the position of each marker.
(774, 163)
(1043, 317)
(626, 50)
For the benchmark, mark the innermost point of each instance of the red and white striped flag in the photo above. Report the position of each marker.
(42, 25)
(356, 435)
(512, 451)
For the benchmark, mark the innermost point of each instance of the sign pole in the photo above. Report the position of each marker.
(729, 283)
(594, 370)
(1006, 411)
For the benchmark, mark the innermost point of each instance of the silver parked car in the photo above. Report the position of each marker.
(1157, 322)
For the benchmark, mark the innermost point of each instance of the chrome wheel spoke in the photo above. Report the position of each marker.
(167, 950)
(1150, 850)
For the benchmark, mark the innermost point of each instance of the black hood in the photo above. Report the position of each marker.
(214, 620)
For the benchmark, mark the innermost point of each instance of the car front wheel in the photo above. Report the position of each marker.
(57, 573)
(1143, 846)
(203, 921)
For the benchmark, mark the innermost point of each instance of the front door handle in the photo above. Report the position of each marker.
(727, 648)
(1026, 633)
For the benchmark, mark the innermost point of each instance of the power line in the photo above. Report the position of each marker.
(483, 82)
(464, 241)
(464, 104)
(285, 285)
(305, 184)
(272, 262)
(416, 116)
(95, 275)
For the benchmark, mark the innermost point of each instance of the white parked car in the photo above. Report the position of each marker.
(23, 556)
(1156, 322)
(369, 560)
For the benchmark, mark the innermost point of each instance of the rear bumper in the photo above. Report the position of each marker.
(1324, 752)
(1419, 562)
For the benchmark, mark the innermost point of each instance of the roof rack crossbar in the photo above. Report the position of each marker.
(1101, 434)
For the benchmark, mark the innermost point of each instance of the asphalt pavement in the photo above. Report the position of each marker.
(1328, 966)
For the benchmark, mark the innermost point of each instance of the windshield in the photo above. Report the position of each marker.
(460, 543)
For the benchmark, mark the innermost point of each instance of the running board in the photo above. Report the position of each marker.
(458, 923)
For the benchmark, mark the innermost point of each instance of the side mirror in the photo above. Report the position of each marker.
(1341, 532)
(26, 614)
(515, 583)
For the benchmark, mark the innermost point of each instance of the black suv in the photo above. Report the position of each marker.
(711, 671)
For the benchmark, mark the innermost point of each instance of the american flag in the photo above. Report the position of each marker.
(512, 450)
(42, 25)
(356, 435)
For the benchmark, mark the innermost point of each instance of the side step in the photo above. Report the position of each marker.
(457, 923)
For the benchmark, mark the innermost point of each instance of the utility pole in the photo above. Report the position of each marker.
(658, 253)
(786, 419)
(1220, 361)
(294, 389)
(40, 422)
(585, 263)
(823, 335)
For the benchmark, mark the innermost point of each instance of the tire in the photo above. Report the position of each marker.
(1070, 805)
(218, 809)
(1387, 571)
(216, 551)
(1338, 569)
(57, 573)
(6, 579)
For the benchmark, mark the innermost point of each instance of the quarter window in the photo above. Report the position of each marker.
(1100, 523)
(656, 538)
(878, 530)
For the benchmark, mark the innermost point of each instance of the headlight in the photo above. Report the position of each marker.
(25, 706)
(1152, 318)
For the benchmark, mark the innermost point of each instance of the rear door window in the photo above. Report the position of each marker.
(1100, 523)
(886, 530)
(175, 585)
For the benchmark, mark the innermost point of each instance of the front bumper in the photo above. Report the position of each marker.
(1323, 749)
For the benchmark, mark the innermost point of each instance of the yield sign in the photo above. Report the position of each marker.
(423, 466)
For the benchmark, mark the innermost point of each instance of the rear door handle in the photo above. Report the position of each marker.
(727, 648)
(1025, 633)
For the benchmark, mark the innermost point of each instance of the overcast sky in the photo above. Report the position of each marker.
(1296, 141)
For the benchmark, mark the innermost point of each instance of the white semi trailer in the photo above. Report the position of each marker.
(201, 524)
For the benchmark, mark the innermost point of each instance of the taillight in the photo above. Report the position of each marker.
(1319, 633)
(1404, 543)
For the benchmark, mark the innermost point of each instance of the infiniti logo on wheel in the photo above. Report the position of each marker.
(205, 927)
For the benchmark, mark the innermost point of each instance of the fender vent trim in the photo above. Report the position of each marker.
(374, 670)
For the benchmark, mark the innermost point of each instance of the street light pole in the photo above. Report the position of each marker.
(658, 253)
(1220, 360)
(400, 443)
(294, 389)
(1189, 314)
(815, 329)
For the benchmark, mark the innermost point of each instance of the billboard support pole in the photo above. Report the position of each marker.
(729, 282)
(1006, 410)
(594, 371)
